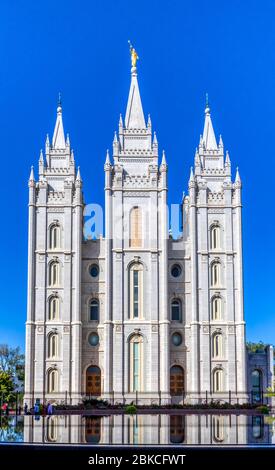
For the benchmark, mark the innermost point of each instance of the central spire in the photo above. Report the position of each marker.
(58, 141)
(134, 118)
(208, 138)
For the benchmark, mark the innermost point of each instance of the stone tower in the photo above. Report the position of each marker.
(53, 329)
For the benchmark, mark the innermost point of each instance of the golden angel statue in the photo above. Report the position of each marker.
(134, 56)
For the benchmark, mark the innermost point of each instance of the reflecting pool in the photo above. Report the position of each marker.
(155, 429)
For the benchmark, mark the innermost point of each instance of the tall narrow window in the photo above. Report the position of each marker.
(54, 274)
(216, 307)
(176, 310)
(217, 345)
(218, 428)
(136, 227)
(53, 308)
(216, 274)
(136, 290)
(53, 346)
(54, 237)
(94, 310)
(136, 363)
(215, 237)
(52, 429)
(218, 380)
(52, 381)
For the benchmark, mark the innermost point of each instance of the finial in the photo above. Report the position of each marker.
(149, 123)
(134, 56)
(207, 109)
(191, 174)
(227, 158)
(115, 138)
(59, 104)
(155, 140)
(68, 140)
(41, 159)
(220, 141)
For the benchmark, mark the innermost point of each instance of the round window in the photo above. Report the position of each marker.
(176, 270)
(176, 339)
(93, 339)
(94, 270)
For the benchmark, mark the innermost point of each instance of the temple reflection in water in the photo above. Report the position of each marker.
(150, 429)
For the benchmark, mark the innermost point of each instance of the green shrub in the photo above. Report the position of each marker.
(131, 409)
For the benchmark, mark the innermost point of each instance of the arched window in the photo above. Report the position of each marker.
(218, 428)
(216, 274)
(257, 427)
(54, 308)
(136, 227)
(94, 310)
(217, 345)
(93, 381)
(176, 310)
(216, 308)
(52, 429)
(136, 290)
(54, 237)
(218, 380)
(52, 381)
(53, 345)
(177, 429)
(54, 274)
(256, 380)
(136, 363)
(215, 237)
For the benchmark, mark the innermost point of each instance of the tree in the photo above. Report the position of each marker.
(256, 347)
(6, 386)
(12, 362)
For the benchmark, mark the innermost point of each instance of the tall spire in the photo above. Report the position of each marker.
(209, 139)
(134, 118)
(58, 135)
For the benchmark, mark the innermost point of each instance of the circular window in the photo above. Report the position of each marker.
(93, 339)
(176, 339)
(94, 270)
(176, 270)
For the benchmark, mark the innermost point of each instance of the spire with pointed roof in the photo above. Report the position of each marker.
(78, 176)
(163, 161)
(31, 178)
(58, 141)
(238, 178)
(134, 118)
(208, 138)
(107, 161)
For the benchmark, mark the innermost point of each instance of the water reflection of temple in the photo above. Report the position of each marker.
(149, 429)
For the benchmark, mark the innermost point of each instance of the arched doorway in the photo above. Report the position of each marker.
(92, 429)
(256, 381)
(176, 381)
(177, 428)
(93, 381)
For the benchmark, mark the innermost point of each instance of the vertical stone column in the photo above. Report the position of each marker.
(76, 316)
(164, 314)
(194, 386)
(30, 325)
(108, 284)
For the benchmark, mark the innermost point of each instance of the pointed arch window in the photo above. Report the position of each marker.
(52, 429)
(53, 345)
(218, 380)
(94, 310)
(136, 290)
(176, 310)
(135, 227)
(54, 237)
(52, 381)
(54, 274)
(54, 308)
(215, 237)
(136, 363)
(217, 345)
(216, 308)
(216, 274)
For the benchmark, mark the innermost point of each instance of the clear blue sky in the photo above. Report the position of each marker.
(186, 48)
